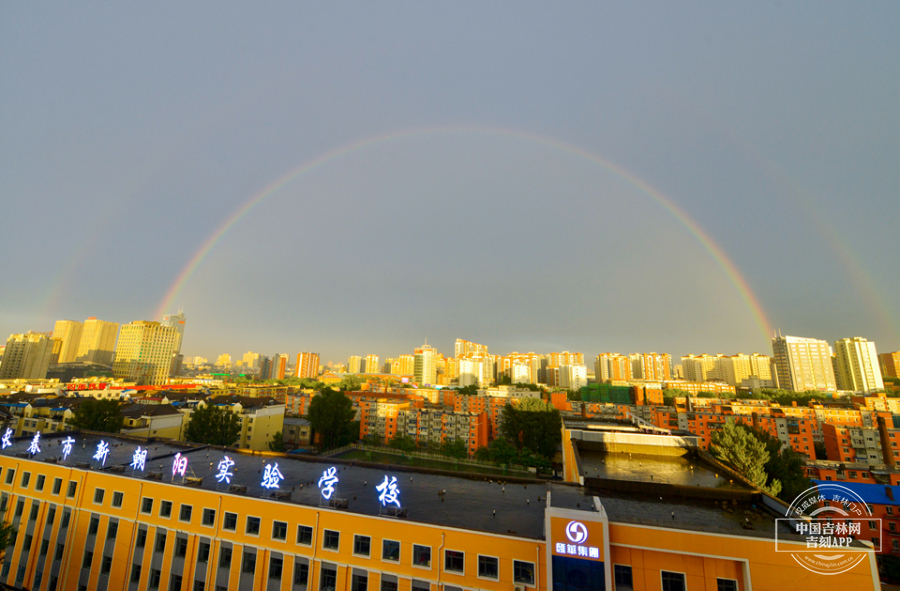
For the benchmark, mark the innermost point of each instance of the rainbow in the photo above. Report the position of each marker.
(702, 237)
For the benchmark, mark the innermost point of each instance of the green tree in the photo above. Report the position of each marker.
(350, 383)
(331, 416)
(745, 453)
(534, 424)
(499, 451)
(7, 537)
(784, 466)
(213, 425)
(403, 442)
(454, 449)
(277, 443)
(470, 390)
(98, 415)
(669, 395)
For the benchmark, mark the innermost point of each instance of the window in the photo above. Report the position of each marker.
(454, 561)
(111, 530)
(726, 585)
(888, 508)
(136, 573)
(203, 552)
(20, 507)
(304, 535)
(275, 567)
(422, 556)
(362, 545)
(873, 525)
(253, 526)
(181, 547)
(70, 492)
(87, 560)
(98, 496)
(225, 557)
(230, 523)
(199, 585)
(331, 540)
(51, 515)
(118, 499)
(388, 585)
(279, 530)
(39, 485)
(488, 567)
(185, 514)
(26, 478)
(175, 582)
(26, 544)
(359, 581)
(248, 565)
(877, 543)
(147, 505)
(523, 572)
(160, 542)
(420, 585)
(45, 547)
(35, 507)
(106, 565)
(209, 517)
(59, 552)
(622, 577)
(94, 525)
(301, 573)
(673, 581)
(390, 550)
(154, 578)
(141, 538)
(165, 509)
(57, 485)
(328, 580)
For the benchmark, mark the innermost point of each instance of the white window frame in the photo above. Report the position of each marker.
(353, 550)
(454, 572)
(478, 567)
(674, 572)
(399, 553)
(430, 560)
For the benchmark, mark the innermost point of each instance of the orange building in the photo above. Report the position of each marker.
(307, 365)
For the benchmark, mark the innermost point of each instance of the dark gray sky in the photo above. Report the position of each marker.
(523, 219)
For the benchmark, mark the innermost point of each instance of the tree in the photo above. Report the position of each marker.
(98, 415)
(7, 537)
(331, 416)
(534, 424)
(470, 390)
(784, 466)
(213, 425)
(745, 453)
(455, 449)
(403, 442)
(277, 443)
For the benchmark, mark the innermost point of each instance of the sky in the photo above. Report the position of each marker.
(354, 178)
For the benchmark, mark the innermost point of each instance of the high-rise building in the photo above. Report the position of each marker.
(651, 367)
(565, 358)
(890, 364)
(424, 370)
(279, 366)
(371, 364)
(407, 365)
(307, 365)
(856, 365)
(354, 364)
(612, 366)
(224, 361)
(27, 356)
(701, 368)
(251, 359)
(265, 367)
(98, 341)
(144, 352)
(803, 364)
(176, 321)
(464, 348)
(69, 332)
(572, 377)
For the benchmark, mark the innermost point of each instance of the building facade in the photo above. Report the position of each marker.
(27, 356)
(856, 365)
(803, 364)
(144, 352)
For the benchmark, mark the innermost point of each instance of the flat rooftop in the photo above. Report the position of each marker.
(465, 502)
(681, 470)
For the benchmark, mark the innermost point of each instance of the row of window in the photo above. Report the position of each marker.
(40, 481)
(671, 581)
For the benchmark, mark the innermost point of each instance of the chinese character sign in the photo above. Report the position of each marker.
(5, 440)
(139, 459)
(102, 452)
(327, 482)
(225, 473)
(272, 476)
(388, 491)
(67, 447)
(35, 447)
(179, 465)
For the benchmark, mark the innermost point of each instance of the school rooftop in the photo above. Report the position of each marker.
(459, 501)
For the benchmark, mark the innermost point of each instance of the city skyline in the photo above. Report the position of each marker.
(586, 178)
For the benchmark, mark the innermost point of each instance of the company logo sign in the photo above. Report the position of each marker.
(576, 532)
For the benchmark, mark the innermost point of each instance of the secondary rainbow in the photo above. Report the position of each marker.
(734, 275)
